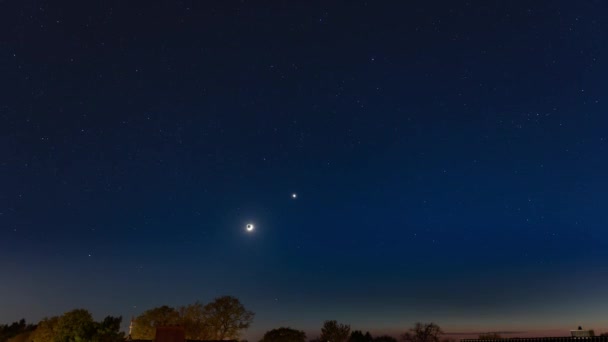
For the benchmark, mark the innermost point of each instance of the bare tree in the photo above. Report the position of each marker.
(423, 332)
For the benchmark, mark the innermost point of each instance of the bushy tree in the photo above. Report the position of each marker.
(45, 330)
(423, 332)
(385, 338)
(74, 326)
(77, 326)
(226, 317)
(334, 332)
(144, 325)
(193, 319)
(108, 330)
(284, 335)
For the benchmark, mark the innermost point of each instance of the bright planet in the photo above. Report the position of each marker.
(249, 227)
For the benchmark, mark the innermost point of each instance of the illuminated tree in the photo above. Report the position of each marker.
(226, 317)
(144, 325)
(23, 337)
(44, 330)
(74, 326)
(193, 319)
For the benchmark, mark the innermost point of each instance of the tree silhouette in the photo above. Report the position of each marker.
(358, 336)
(385, 338)
(284, 335)
(423, 332)
(334, 332)
(14, 329)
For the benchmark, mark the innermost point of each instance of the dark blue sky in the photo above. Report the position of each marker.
(450, 160)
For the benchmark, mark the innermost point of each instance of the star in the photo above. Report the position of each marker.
(294, 195)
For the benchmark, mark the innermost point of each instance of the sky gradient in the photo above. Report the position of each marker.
(450, 161)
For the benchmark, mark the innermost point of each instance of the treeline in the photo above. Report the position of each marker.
(76, 325)
(337, 332)
(222, 319)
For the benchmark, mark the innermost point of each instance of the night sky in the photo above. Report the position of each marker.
(450, 161)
